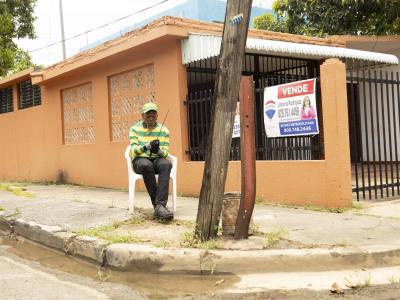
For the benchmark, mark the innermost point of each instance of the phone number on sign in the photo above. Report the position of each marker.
(297, 129)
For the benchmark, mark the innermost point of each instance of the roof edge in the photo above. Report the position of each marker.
(148, 33)
(164, 26)
(201, 46)
(365, 38)
(16, 77)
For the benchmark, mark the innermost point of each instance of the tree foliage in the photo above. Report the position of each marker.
(16, 22)
(320, 17)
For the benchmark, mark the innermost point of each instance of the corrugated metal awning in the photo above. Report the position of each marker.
(202, 46)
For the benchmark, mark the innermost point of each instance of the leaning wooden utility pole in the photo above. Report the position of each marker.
(226, 94)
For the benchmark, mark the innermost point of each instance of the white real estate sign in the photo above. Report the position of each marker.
(236, 124)
(290, 109)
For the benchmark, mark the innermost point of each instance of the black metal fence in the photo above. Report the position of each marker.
(266, 71)
(374, 114)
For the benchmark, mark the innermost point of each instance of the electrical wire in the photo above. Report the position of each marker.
(99, 27)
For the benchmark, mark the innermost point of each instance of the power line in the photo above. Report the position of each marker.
(99, 27)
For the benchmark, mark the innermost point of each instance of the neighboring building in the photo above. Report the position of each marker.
(71, 119)
(201, 10)
(389, 44)
(374, 96)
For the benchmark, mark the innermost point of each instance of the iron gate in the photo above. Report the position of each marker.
(374, 112)
(266, 71)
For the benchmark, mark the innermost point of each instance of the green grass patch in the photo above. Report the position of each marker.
(338, 210)
(17, 189)
(4, 186)
(1, 208)
(273, 237)
(190, 240)
(121, 239)
(135, 220)
(104, 233)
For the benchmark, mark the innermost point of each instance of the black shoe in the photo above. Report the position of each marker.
(162, 213)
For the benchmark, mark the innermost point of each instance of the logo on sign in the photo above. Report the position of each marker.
(270, 109)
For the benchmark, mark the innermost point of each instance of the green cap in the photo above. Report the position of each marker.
(149, 106)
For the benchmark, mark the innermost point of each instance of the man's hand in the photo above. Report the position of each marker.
(153, 146)
(160, 153)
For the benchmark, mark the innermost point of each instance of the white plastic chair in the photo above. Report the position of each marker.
(133, 177)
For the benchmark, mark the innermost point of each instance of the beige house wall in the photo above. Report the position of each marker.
(32, 149)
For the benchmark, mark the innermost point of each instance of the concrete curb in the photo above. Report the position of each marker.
(138, 256)
(6, 226)
(123, 256)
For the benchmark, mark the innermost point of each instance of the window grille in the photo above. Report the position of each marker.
(78, 116)
(6, 100)
(29, 95)
(128, 92)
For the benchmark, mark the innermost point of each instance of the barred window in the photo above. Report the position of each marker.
(6, 100)
(29, 95)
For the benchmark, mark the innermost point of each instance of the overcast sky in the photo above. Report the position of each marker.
(81, 16)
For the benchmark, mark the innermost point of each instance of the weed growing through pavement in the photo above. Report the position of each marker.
(112, 205)
(116, 224)
(190, 240)
(206, 264)
(103, 274)
(256, 227)
(163, 244)
(393, 279)
(259, 200)
(338, 210)
(367, 281)
(273, 237)
(1, 208)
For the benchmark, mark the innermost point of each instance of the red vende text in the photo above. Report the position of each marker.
(296, 89)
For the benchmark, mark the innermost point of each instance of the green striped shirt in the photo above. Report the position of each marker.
(139, 135)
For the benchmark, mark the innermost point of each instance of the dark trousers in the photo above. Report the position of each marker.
(148, 169)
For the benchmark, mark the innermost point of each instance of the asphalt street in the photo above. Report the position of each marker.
(22, 278)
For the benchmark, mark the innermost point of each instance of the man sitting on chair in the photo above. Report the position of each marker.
(149, 148)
